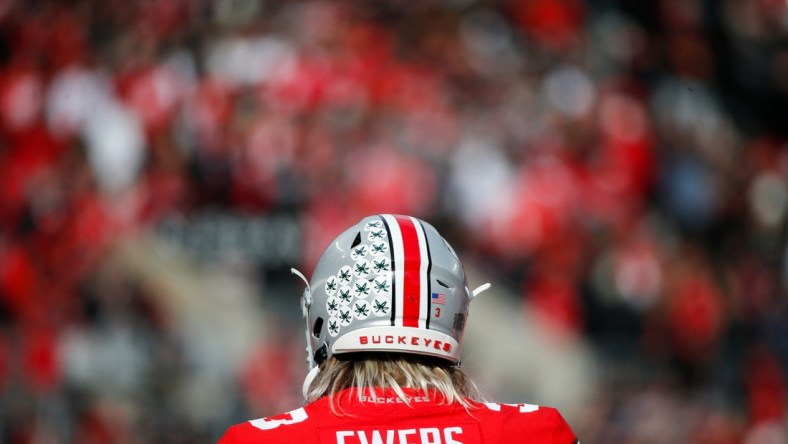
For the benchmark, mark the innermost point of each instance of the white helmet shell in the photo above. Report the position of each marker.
(389, 283)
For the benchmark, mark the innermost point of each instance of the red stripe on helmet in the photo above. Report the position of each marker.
(411, 271)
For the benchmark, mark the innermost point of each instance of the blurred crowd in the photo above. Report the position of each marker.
(621, 166)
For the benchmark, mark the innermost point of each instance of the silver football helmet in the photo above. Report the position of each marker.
(389, 283)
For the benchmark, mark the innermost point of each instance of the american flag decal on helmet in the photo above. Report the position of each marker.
(438, 298)
(411, 265)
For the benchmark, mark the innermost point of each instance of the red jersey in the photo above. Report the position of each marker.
(386, 419)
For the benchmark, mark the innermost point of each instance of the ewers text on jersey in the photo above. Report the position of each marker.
(386, 419)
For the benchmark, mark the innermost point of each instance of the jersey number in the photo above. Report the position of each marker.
(524, 408)
(273, 422)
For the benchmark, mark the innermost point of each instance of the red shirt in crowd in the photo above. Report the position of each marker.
(386, 419)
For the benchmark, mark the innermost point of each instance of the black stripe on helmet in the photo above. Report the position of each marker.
(393, 279)
(429, 274)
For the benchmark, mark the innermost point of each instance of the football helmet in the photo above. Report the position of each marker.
(389, 283)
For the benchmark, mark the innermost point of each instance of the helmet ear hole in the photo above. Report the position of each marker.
(442, 284)
(357, 240)
(317, 327)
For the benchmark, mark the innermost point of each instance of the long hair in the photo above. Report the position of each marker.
(394, 371)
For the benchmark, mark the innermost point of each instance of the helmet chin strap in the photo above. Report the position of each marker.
(306, 303)
(308, 380)
(480, 289)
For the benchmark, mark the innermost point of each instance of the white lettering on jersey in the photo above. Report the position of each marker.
(376, 438)
(403, 435)
(524, 408)
(428, 435)
(342, 434)
(394, 399)
(448, 435)
(273, 422)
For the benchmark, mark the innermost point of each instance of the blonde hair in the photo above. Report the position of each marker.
(395, 371)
